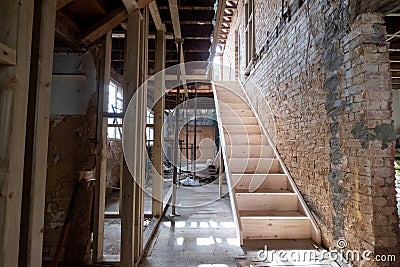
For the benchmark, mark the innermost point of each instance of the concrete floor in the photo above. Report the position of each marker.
(203, 235)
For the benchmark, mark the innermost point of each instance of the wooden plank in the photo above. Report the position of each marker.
(156, 17)
(266, 201)
(159, 107)
(130, 5)
(104, 70)
(16, 31)
(67, 30)
(63, 3)
(141, 154)
(243, 129)
(8, 56)
(254, 166)
(238, 139)
(131, 77)
(144, 3)
(104, 25)
(241, 121)
(217, 27)
(241, 113)
(173, 9)
(260, 181)
(250, 151)
(276, 227)
(229, 99)
(272, 213)
(35, 169)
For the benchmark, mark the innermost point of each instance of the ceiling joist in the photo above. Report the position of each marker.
(62, 3)
(105, 25)
(156, 16)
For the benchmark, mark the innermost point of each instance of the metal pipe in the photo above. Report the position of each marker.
(176, 144)
(195, 131)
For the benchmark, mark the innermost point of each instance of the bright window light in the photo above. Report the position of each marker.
(205, 241)
(179, 241)
(180, 224)
(204, 225)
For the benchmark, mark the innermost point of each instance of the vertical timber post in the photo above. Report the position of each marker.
(104, 72)
(16, 19)
(37, 134)
(158, 151)
(129, 180)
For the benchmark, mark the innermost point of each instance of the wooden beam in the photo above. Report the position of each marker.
(104, 71)
(143, 3)
(104, 25)
(130, 5)
(8, 56)
(173, 9)
(16, 32)
(35, 169)
(63, 3)
(156, 16)
(140, 152)
(67, 30)
(159, 107)
(131, 74)
(218, 25)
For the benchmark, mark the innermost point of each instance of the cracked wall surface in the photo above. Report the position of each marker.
(72, 144)
(325, 81)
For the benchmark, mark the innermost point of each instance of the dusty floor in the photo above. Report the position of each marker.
(203, 234)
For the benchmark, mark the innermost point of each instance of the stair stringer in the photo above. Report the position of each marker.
(232, 195)
(316, 231)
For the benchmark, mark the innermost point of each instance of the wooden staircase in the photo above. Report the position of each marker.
(265, 201)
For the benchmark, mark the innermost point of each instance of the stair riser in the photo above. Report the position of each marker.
(244, 121)
(250, 152)
(276, 229)
(237, 139)
(266, 201)
(242, 129)
(254, 166)
(233, 99)
(260, 182)
(236, 113)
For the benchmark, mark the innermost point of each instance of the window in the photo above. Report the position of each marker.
(249, 31)
(150, 128)
(115, 105)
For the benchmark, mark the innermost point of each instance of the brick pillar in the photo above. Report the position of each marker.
(371, 211)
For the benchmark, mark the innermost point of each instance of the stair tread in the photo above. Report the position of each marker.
(272, 214)
(262, 190)
(268, 194)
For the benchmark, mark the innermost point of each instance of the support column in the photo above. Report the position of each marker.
(140, 118)
(159, 107)
(16, 33)
(37, 134)
(129, 186)
(104, 73)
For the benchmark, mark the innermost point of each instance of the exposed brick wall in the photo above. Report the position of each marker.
(326, 90)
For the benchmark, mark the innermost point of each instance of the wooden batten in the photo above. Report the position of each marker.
(16, 33)
(104, 25)
(129, 216)
(104, 74)
(158, 153)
